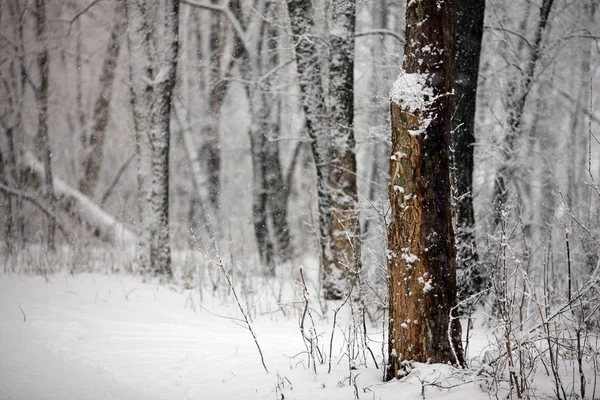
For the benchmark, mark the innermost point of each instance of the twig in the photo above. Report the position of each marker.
(22, 312)
(116, 179)
(80, 13)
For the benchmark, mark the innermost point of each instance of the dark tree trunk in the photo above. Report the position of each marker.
(469, 31)
(421, 254)
(260, 201)
(95, 149)
(44, 151)
(317, 123)
(210, 151)
(277, 195)
(345, 225)
(274, 182)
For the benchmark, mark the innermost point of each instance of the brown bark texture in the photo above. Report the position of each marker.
(421, 253)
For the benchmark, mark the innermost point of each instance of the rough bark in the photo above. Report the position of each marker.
(421, 254)
(92, 162)
(469, 31)
(152, 81)
(345, 224)
(317, 123)
(42, 139)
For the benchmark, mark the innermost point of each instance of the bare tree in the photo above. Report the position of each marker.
(421, 253)
(152, 72)
(469, 31)
(345, 224)
(92, 162)
(517, 99)
(42, 139)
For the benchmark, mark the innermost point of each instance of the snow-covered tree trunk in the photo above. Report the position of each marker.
(421, 254)
(469, 31)
(152, 80)
(345, 224)
(317, 122)
(42, 139)
(95, 151)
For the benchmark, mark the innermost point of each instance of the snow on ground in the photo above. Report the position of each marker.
(95, 336)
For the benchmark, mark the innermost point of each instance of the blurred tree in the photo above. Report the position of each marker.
(152, 64)
(94, 151)
(42, 139)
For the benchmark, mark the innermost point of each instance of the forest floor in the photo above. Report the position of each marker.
(98, 336)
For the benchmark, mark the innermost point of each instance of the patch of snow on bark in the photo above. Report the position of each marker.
(411, 92)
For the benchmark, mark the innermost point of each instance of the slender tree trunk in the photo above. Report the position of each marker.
(15, 142)
(277, 194)
(469, 31)
(153, 80)
(516, 107)
(317, 123)
(44, 151)
(274, 183)
(421, 254)
(92, 162)
(345, 224)
(210, 151)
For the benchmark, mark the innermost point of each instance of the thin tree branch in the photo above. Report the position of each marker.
(387, 32)
(116, 179)
(80, 13)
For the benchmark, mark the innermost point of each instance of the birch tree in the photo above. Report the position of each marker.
(421, 254)
(153, 61)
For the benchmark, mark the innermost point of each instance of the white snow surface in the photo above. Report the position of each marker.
(411, 91)
(96, 336)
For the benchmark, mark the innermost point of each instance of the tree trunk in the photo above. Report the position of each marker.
(469, 31)
(42, 139)
(15, 133)
(345, 224)
(516, 107)
(152, 82)
(421, 254)
(277, 193)
(317, 123)
(274, 183)
(94, 153)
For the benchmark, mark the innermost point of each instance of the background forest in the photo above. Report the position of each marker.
(244, 181)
